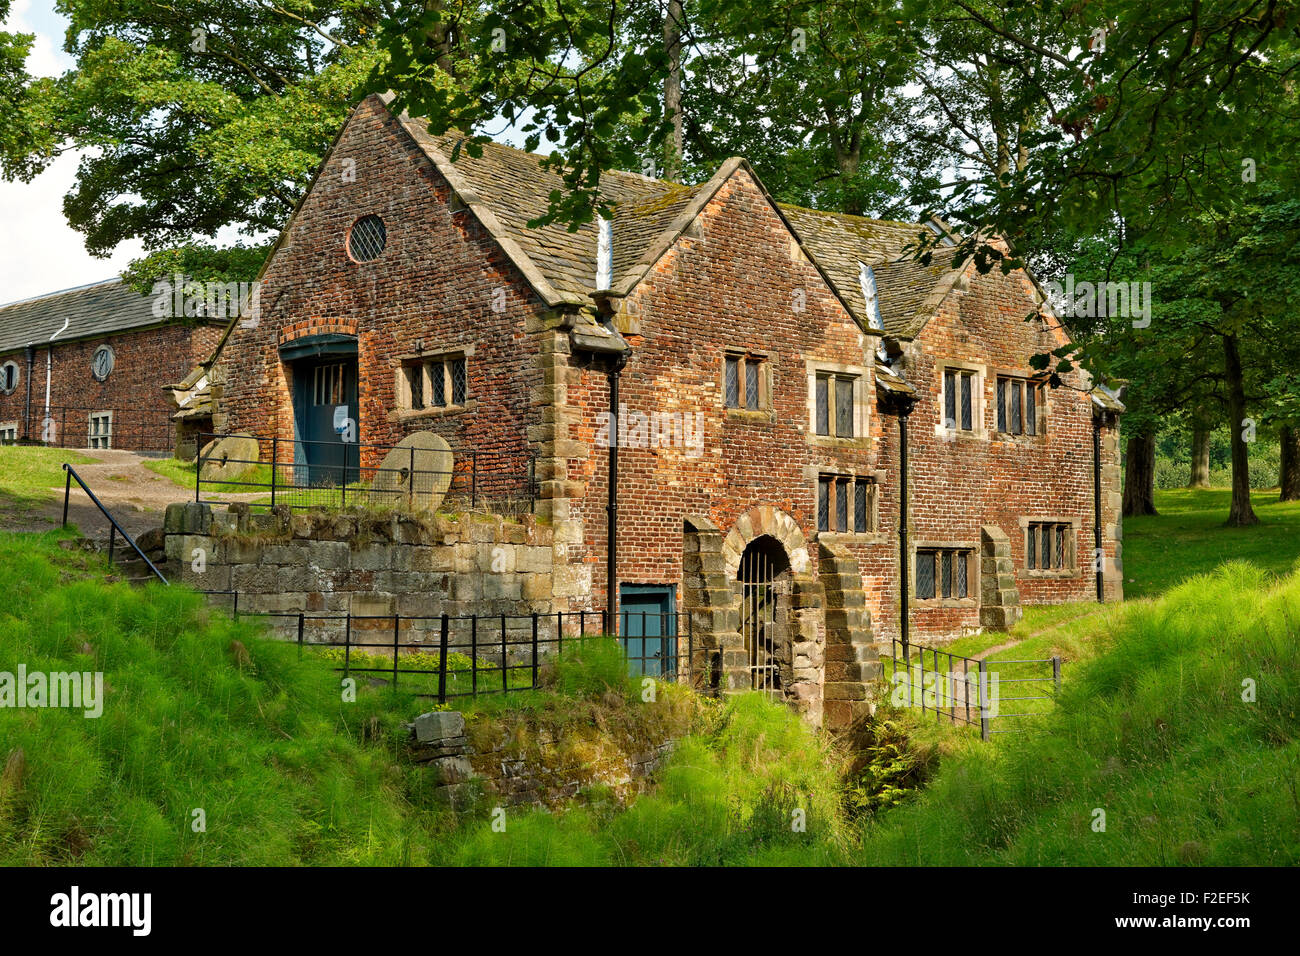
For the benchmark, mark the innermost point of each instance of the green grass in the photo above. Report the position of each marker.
(183, 474)
(266, 748)
(1188, 537)
(31, 475)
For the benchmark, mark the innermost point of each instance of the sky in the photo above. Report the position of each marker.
(39, 251)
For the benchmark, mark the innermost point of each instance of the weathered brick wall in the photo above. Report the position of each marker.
(441, 284)
(739, 286)
(144, 361)
(962, 482)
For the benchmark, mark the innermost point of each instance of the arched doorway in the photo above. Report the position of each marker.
(763, 580)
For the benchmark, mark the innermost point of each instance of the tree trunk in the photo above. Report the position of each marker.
(1290, 479)
(1241, 513)
(1200, 457)
(673, 90)
(1140, 475)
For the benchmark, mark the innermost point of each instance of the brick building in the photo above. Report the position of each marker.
(768, 359)
(86, 367)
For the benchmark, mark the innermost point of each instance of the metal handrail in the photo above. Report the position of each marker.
(114, 530)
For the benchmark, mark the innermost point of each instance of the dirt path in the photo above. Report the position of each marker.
(136, 496)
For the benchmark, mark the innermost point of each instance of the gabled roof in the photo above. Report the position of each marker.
(100, 308)
(507, 187)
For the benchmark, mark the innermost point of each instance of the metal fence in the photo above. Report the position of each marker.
(313, 474)
(96, 427)
(451, 656)
(966, 690)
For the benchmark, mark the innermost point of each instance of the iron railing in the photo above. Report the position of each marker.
(476, 654)
(967, 690)
(94, 427)
(114, 528)
(313, 474)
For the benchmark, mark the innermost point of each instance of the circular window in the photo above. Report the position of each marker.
(101, 364)
(367, 239)
(9, 376)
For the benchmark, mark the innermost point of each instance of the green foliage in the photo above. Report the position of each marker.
(200, 712)
(889, 766)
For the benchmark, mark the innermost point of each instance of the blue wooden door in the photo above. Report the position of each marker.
(647, 628)
(327, 414)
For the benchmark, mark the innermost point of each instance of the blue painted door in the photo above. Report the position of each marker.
(327, 419)
(647, 628)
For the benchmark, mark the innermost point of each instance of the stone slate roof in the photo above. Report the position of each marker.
(506, 187)
(90, 310)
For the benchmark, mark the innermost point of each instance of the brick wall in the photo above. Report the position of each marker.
(441, 284)
(144, 361)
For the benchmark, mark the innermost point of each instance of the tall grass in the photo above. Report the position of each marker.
(201, 713)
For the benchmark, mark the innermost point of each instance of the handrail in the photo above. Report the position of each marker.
(116, 528)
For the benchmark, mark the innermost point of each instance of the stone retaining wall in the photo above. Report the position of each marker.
(334, 564)
(464, 776)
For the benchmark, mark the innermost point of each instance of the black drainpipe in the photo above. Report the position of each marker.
(905, 611)
(1099, 560)
(27, 405)
(611, 510)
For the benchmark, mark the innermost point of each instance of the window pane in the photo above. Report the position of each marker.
(842, 505)
(823, 504)
(1060, 545)
(823, 406)
(1002, 404)
(415, 382)
(459, 385)
(1031, 409)
(925, 574)
(965, 402)
(860, 507)
(950, 399)
(844, 407)
(1032, 558)
(733, 382)
(947, 574)
(1046, 551)
(439, 382)
(961, 573)
(751, 384)
(1016, 388)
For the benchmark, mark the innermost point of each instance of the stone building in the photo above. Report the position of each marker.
(87, 367)
(767, 358)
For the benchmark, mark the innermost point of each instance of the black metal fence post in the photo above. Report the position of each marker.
(397, 629)
(442, 660)
(534, 650)
(300, 633)
(347, 644)
(505, 670)
(275, 460)
(985, 733)
(1056, 675)
(473, 654)
(67, 491)
(410, 483)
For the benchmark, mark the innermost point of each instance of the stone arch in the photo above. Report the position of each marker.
(770, 521)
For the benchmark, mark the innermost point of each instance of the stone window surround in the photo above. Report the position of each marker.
(766, 411)
(1044, 407)
(1071, 561)
(861, 405)
(980, 430)
(402, 390)
(6, 428)
(105, 435)
(17, 374)
(814, 473)
(972, 574)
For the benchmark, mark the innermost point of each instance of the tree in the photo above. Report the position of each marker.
(24, 101)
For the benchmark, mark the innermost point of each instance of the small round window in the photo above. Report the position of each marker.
(9, 377)
(367, 239)
(101, 363)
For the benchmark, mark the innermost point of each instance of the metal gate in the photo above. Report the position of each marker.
(758, 626)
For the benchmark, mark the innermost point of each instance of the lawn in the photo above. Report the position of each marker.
(1188, 537)
(31, 475)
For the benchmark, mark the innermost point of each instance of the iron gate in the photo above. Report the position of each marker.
(758, 624)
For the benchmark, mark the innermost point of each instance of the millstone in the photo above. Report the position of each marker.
(394, 485)
(229, 458)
